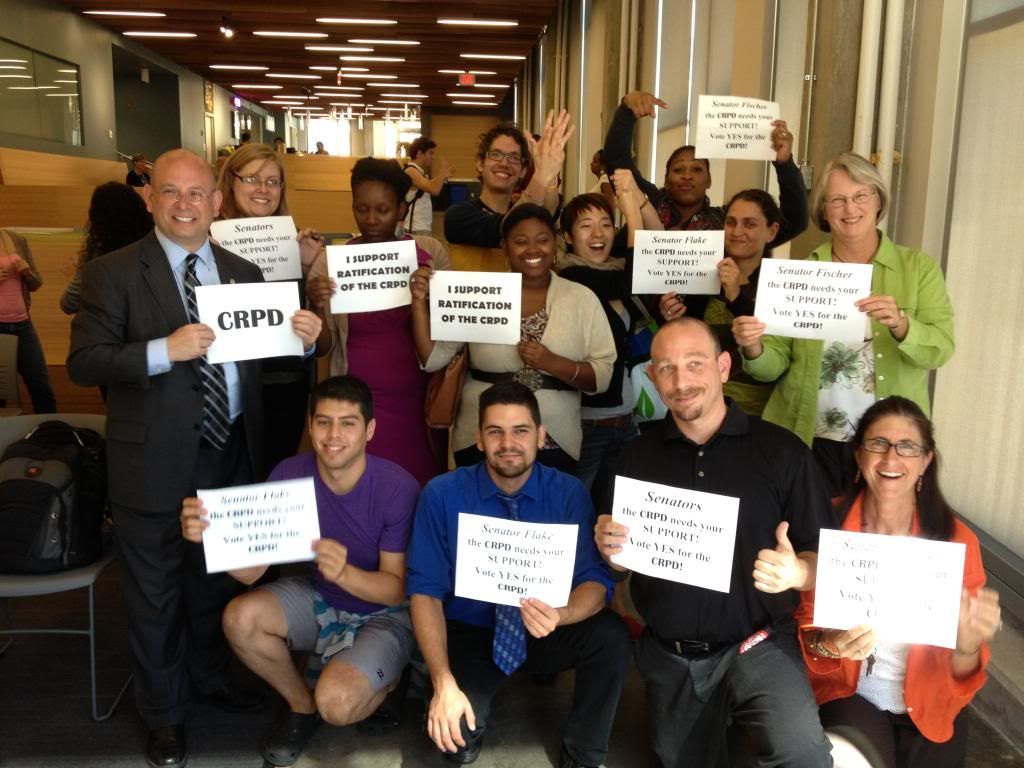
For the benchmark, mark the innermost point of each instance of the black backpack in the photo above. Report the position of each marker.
(53, 497)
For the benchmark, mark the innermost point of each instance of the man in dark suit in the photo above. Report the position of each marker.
(175, 423)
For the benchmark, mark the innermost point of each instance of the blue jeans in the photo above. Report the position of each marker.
(600, 443)
(32, 366)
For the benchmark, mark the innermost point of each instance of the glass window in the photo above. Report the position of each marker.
(39, 95)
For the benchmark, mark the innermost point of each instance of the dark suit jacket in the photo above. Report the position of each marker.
(129, 297)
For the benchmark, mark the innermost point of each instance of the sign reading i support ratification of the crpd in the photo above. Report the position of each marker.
(475, 306)
(907, 589)
(684, 262)
(249, 320)
(735, 127)
(675, 533)
(260, 524)
(371, 276)
(813, 299)
(503, 561)
(267, 241)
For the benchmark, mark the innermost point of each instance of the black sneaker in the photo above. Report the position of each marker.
(288, 736)
(467, 754)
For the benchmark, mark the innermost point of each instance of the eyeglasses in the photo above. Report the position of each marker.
(194, 196)
(254, 181)
(512, 158)
(859, 198)
(904, 448)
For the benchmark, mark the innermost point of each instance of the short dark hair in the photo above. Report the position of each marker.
(935, 514)
(246, 136)
(687, 320)
(687, 148)
(420, 145)
(387, 172)
(508, 393)
(277, 139)
(575, 208)
(524, 212)
(503, 129)
(347, 388)
(772, 213)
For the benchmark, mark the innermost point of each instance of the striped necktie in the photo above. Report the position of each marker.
(509, 649)
(216, 413)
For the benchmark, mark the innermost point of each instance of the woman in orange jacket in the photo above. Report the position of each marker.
(905, 704)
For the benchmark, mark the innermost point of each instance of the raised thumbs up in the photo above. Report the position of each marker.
(779, 569)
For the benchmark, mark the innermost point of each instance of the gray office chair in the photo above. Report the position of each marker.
(34, 585)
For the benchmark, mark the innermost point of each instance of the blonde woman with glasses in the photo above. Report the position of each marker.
(252, 184)
(825, 387)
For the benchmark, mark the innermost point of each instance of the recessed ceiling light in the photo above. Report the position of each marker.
(476, 103)
(256, 87)
(406, 95)
(145, 14)
(479, 22)
(393, 85)
(246, 67)
(159, 34)
(471, 95)
(65, 81)
(452, 71)
(283, 103)
(481, 72)
(325, 69)
(369, 77)
(20, 61)
(32, 87)
(495, 56)
(285, 76)
(290, 96)
(275, 33)
(12, 66)
(337, 20)
(337, 49)
(489, 85)
(345, 104)
(68, 71)
(381, 41)
(73, 95)
(339, 88)
(17, 77)
(386, 101)
(397, 59)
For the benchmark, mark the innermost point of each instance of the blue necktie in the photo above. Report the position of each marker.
(509, 649)
(216, 421)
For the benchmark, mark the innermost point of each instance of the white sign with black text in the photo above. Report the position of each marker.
(735, 128)
(249, 320)
(475, 306)
(675, 533)
(684, 262)
(267, 241)
(907, 589)
(813, 299)
(259, 524)
(371, 276)
(503, 561)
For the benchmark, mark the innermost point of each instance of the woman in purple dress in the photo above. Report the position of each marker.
(377, 347)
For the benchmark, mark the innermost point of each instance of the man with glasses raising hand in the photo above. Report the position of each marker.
(175, 423)
(502, 159)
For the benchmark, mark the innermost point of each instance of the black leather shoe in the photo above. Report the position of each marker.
(165, 747)
(566, 760)
(233, 699)
(288, 736)
(467, 754)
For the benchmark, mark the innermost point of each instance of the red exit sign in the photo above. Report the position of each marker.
(467, 78)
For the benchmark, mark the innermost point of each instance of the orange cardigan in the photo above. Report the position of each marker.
(934, 697)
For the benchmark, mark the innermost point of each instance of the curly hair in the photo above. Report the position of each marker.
(387, 172)
(117, 217)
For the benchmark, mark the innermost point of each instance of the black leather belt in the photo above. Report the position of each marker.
(547, 382)
(689, 647)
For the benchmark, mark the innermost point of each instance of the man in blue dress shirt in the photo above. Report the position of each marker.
(471, 646)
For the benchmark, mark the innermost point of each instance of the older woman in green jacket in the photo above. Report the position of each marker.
(825, 386)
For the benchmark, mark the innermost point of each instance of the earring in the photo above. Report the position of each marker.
(856, 478)
(920, 482)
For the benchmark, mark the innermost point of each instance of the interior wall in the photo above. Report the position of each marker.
(136, 103)
(457, 137)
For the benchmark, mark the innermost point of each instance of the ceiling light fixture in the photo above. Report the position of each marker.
(397, 59)
(240, 67)
(494, 56)
(406, 95)
(381, 41)
(143, 14)
(276, 33)
(337, 49)
(481, 72)
(369, 77)
(68, 71)
(337, 20)
(393, 85)
(285, 76)
(476, 103)
(226, 29)
(257, 87)
(489, 85)
(339, 87)
(471, 95)
(325, 69)
(159, 34)
(478, 22)
(21, 77)
(73, 95)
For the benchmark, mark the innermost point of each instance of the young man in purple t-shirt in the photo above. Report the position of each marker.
(351, 613)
